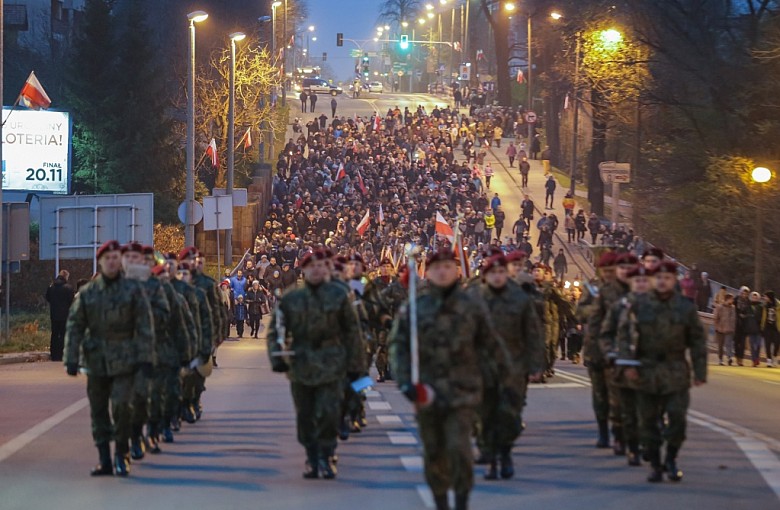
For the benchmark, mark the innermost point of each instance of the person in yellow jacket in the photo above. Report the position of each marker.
(497, 134)
(490, 224)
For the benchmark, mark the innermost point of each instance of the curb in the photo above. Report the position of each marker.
(23, 357)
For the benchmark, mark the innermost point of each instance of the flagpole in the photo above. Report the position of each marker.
(8, 319)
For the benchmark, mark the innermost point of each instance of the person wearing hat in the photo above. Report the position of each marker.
(255, 299)
(240, 314)
(770, 327)
(110, 324)
(357, 285)
(742, 304)
(551, 306)
(516, 321)
(652, 345)
(597, 299)
(317, 322)
(623, 316)
(374, 307)
(459, 350)
(751, 326)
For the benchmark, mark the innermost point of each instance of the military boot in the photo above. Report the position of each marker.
(462, 501)
(656, 471)
(492, 471)
(326, 465)
(363, 421)
(441, 501)
(121, 465)
(153, 437)
(136, 443)
(167, 435)
(187, 411)
(388, 374)
(670, 464)
(344, 428)
(507, 468)
(603, 441)
(633, 454)
(175, 424)
(618, 444)
(103, 467)
(198, 409)
(311, 468)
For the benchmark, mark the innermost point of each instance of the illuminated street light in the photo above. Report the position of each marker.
(387, 27)
(761, 174)
(311, 28)
(430, 15)
(556, 15)
(314, 38)
(428, 7)
(404, 24)
(234, 38)
(509, 6)
(611, 37)
(421, 21)
(276, 4)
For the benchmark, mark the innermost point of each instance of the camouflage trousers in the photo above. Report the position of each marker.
(193, 384)
(551, 341)
(652, 409)
(629, 415)
(317, 413)
(381, 352)
(141, 390)
(117, 393)
(166, 396)
(501, 423)
(447, 456)
(606, 396)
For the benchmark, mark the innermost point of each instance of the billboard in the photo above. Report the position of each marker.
(36, 150)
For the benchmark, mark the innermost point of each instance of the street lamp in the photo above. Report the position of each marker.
(404, 24)
(189, 224)
(760, 175)
(510, 6)
(556, 15)
(234, 38)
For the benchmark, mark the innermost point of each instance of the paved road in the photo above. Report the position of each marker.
(243, 453)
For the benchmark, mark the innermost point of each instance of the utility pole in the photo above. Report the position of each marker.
(576, 121)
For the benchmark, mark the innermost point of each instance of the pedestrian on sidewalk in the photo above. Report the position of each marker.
(580, 224)
(240, 314)
(549, 188)
(498, 132)
(546, 155)
(519, 228)
(594, 225)
(752, 326)
(333, 105)
(527, 206)
(488, 175)
(511, 151)
(560, 265)
(500, 219)
(60, 296)
(770, 327)
(312, 101)
(570, 225)
(725, 321)
(569, 203)
(303, 97)
(525, 169)
(495, 202)
(536, 146)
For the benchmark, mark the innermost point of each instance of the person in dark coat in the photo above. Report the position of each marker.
(60, 296)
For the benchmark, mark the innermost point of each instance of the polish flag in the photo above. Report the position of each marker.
(364, 223)
(377, 122)
(32, 95)
(341, 173)
(520, 76)
(360, 184)
(381, 214)
(248, 138)
(566, 102)
(211, 150)
(443, 228)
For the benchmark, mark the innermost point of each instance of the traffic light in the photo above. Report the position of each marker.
(366, 65)
(339, 39)
(404, 45)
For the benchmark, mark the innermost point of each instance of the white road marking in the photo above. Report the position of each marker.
(412, 463)
(33, 433)
(379, 406)
(372, 394)
(773, 382)
(402, 438)
(585, 381)
(556, 386)
(426, 495)
(389, 419)
(764, 461)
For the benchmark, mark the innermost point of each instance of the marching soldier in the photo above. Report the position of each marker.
(110, 333)
(554, 306)
(514, 315)
(356, 281)
(459, 350)
(599, 297)
(652, 346)
(318, 324)
(373, 303)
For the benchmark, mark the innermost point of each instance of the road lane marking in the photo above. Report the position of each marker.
(425, 495)
(402, 438)
(379, 406)
(556, 386)
(733, 430)
(389, 419)
(764, 461)
(573, 377)
(773, 382)
(412, 463)
(33, 433)
(373, 393)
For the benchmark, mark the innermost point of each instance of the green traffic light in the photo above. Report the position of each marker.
(404, 44)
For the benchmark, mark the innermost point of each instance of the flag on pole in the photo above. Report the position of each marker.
(381, 214)
(463, 258)
(32, 95)
(364, 223)
(341, 173)
(246, 139)
(566, 102)
(456, 46)
(443, 228)
(360, 184)
(211, 150)
(377, 122)
(520, 76)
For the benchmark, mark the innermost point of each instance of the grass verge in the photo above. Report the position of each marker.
(30, 332)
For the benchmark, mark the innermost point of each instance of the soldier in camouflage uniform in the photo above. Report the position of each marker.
(317, 322)
(134, 267)
(624, 313)
(514, 315)
(110, 333)
(554, 306)
(516, 264)
(373, 302)
(597, 299)
(173, 354)
(652, 345)
(459, 350)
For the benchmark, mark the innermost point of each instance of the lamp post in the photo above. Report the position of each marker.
(189, 225)
(284, 57)
(760, 175)
(576, 115)
(308, 34)
(234, 37)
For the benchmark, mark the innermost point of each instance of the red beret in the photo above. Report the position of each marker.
(667, 266)
(338, 266)
(185, 266)
(106, 247)
(189, 252)
(133, 247)
(158, 270)
(312, 256)
(493, 262)
(640, 271)
(171, 255)
(516, 256)
(355, 257)
(607, 259)
(627, 258)
(440, 256)
(148, 250)
(226, 283)
(654, 252)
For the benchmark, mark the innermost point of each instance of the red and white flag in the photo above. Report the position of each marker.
(381, 214)
(443, 228)
(520, 76)
(341, 173)
(364, 223)
(360, 183)
(211, 150)
(246, 139)
(456, 46)
(32, 95)
(377, 122)
(566, 102)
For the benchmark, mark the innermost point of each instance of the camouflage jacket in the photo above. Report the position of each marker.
(653, 335)
(201, 314)
(459, 347)
(391, 299)
(174, 348)
(595, 307)
(516, 321)
(110, 323)
(216, 311)
(161, 312)
(372, 300)
(321, 327)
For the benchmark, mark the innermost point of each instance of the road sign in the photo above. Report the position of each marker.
(197, 212)
(355, 53)
(400, 73)
(530, 117)
(611, 171)
(240, 195)
(465, 72)
(217, 212)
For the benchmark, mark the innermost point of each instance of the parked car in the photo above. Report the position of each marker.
(376, 86)
(320, 86)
